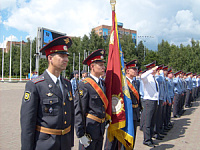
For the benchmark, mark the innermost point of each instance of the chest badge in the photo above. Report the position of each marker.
(50, 110)
(70, 96)
(66, 85)
(49, 94)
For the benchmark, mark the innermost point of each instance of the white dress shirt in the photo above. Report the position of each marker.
(95, 78)
(149, 86)
(54, 78)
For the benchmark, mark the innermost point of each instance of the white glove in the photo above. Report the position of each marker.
(85, 141)
(108, 124)
(106, 127)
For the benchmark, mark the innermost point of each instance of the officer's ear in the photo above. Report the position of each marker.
(92, 66)
(49, 57)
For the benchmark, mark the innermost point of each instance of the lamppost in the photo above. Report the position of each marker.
(143, 39)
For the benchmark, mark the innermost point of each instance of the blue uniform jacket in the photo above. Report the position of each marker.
(160, 80)
(189, 83)
(177, 85)
(170, 89)
(194, 82)
(74, 86)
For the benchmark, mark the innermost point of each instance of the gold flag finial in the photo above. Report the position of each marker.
(113, 2)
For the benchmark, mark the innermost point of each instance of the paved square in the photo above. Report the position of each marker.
(183, 136)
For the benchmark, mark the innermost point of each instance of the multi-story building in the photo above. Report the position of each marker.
(15, 43)
(104, 30)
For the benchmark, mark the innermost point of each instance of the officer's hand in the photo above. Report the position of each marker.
(161, 71)
(164, 103)
(85, 141)
(170, 104)
(107, 125)
(154, 68)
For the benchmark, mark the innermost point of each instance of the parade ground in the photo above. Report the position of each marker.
(184, 135)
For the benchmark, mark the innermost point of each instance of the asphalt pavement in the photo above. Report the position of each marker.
(184, 135)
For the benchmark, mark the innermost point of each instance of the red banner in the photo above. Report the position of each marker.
(113, 81)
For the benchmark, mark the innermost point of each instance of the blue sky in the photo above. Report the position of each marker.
(175, 21)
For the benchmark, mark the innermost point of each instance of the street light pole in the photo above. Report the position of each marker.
(21, 61)
(30, 56)
(144, 38)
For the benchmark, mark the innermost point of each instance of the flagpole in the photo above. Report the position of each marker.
(79, 67)
(30, 56)
(73, 60)
(10, 59)
(113, 2)
(2, 60)
(21, 61)
(88, 66)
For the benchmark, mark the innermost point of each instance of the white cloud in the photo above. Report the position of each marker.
(74, 18)
(0, 19)
(9, 38)
(7, 4)
(175, 21)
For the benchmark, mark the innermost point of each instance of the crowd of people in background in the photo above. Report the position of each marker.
(52, 106)
(161, 92)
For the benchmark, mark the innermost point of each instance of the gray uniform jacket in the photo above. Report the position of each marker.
(136, 111)
(43, 104)
(92, 104)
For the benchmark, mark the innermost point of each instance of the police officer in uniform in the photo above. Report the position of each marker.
(131, 73)
(188, 90)
(150, 101)
(177, 95)
(90, 104)
(84, 74)
(198, 85)
(47, 111)
(193, 87)
(73, 82)
(162, 102)
(170, 96)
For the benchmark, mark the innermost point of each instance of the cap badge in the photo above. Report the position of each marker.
(66, 40)
(102, 52)
(65, 48)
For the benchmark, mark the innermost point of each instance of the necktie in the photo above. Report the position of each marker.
(134, 84)
(156, 84)
(58, 84)
(101, 84)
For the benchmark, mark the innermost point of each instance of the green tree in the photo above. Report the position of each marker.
(140, 54)
(128, 48)
(15, 61)
(163, 52)
(150, 57)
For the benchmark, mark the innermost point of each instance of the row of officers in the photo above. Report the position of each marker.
(52, 106)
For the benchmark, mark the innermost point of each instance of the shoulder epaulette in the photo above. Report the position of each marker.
(66, 79)
(84, 81)
(38, 79)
